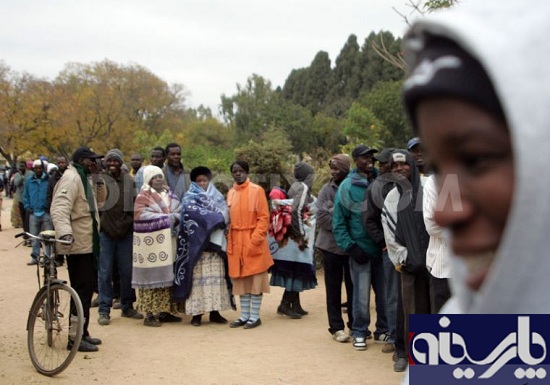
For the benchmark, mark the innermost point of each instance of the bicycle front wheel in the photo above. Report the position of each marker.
(50, 327)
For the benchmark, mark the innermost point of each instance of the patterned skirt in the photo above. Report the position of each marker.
(209, 290)
(154, 301)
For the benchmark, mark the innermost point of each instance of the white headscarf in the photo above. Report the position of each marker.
(149, 172)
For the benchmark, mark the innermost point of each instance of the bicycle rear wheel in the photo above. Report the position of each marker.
(49, 328)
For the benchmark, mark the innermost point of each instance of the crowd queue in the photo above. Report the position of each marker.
(191, 248)
(155, 241)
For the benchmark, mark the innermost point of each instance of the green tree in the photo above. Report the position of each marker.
(362, 126)
(268, 156)
(249, 110)
(317, 83)
(384, 100)
(374, 67)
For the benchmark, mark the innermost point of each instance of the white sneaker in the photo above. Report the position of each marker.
(341, 336)
(383, 338)
(359, 343)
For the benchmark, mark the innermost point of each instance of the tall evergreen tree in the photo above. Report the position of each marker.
(374, 68)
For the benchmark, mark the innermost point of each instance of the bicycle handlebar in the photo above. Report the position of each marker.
(42, 239)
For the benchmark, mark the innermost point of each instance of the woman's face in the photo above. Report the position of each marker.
(239, 174)
(157, 182)
(202, 181)
(337, 174)
(471, 153)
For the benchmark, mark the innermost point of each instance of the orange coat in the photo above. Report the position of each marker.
(247, 247)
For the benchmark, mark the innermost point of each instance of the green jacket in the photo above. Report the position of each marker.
(347, 225)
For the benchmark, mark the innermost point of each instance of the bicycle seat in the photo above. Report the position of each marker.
(48, 234)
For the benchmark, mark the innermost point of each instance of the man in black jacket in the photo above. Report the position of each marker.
(116, 235)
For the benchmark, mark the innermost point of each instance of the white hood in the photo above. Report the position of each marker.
(511, 40)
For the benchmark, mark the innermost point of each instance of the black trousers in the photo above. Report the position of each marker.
(337, 271)
(83, 279)
(439, 293)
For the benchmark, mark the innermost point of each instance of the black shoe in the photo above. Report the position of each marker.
(131, 313)
(400, 365)
(150, 320)
(284, 308)
(216, 317)
(196, 320)
(92, 340)
(167, 317)
(83, 347)
(252, 324)
(237, 323)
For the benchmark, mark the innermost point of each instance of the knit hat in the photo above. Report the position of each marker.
(37, 163)
(443, 69)
(200, 170)
(115, 153)
(302, 170)
(340, 162)
(149, 172)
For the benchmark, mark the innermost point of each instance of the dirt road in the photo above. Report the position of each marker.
(280, 351)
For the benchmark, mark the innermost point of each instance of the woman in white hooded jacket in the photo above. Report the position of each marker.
(478, 95)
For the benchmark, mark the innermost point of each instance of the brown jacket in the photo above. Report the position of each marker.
(247, 247)
(70, 212)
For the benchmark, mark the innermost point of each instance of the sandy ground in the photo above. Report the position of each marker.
(280, 351)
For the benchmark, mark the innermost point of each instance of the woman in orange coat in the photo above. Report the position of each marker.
(247, 248)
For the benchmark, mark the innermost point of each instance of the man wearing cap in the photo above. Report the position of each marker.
(415, 147)
(376, 193)
(75, 218)
(366, 266)
(116, 235)
(407, 242)
(35, 203)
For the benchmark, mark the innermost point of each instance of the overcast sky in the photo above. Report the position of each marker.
(207, 45)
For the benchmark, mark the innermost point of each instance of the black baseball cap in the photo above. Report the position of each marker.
(385, 155)
(84, 152)
(362, 150)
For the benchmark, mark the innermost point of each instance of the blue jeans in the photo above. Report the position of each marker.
(363, 276)
(121, 251)
(36, 225)
(392, 287)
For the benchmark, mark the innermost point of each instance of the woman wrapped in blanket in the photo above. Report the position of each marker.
(201, 264)
(294, 254)
(156, 218)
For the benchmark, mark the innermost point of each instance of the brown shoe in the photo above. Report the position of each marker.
(388, 348)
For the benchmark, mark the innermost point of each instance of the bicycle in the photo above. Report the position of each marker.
(56, 318)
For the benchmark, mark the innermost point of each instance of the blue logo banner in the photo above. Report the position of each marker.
(503, 349)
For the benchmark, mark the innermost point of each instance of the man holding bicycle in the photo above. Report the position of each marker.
(75, 218)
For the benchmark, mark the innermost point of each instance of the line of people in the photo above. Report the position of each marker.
(191, 250)
(376, 230)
